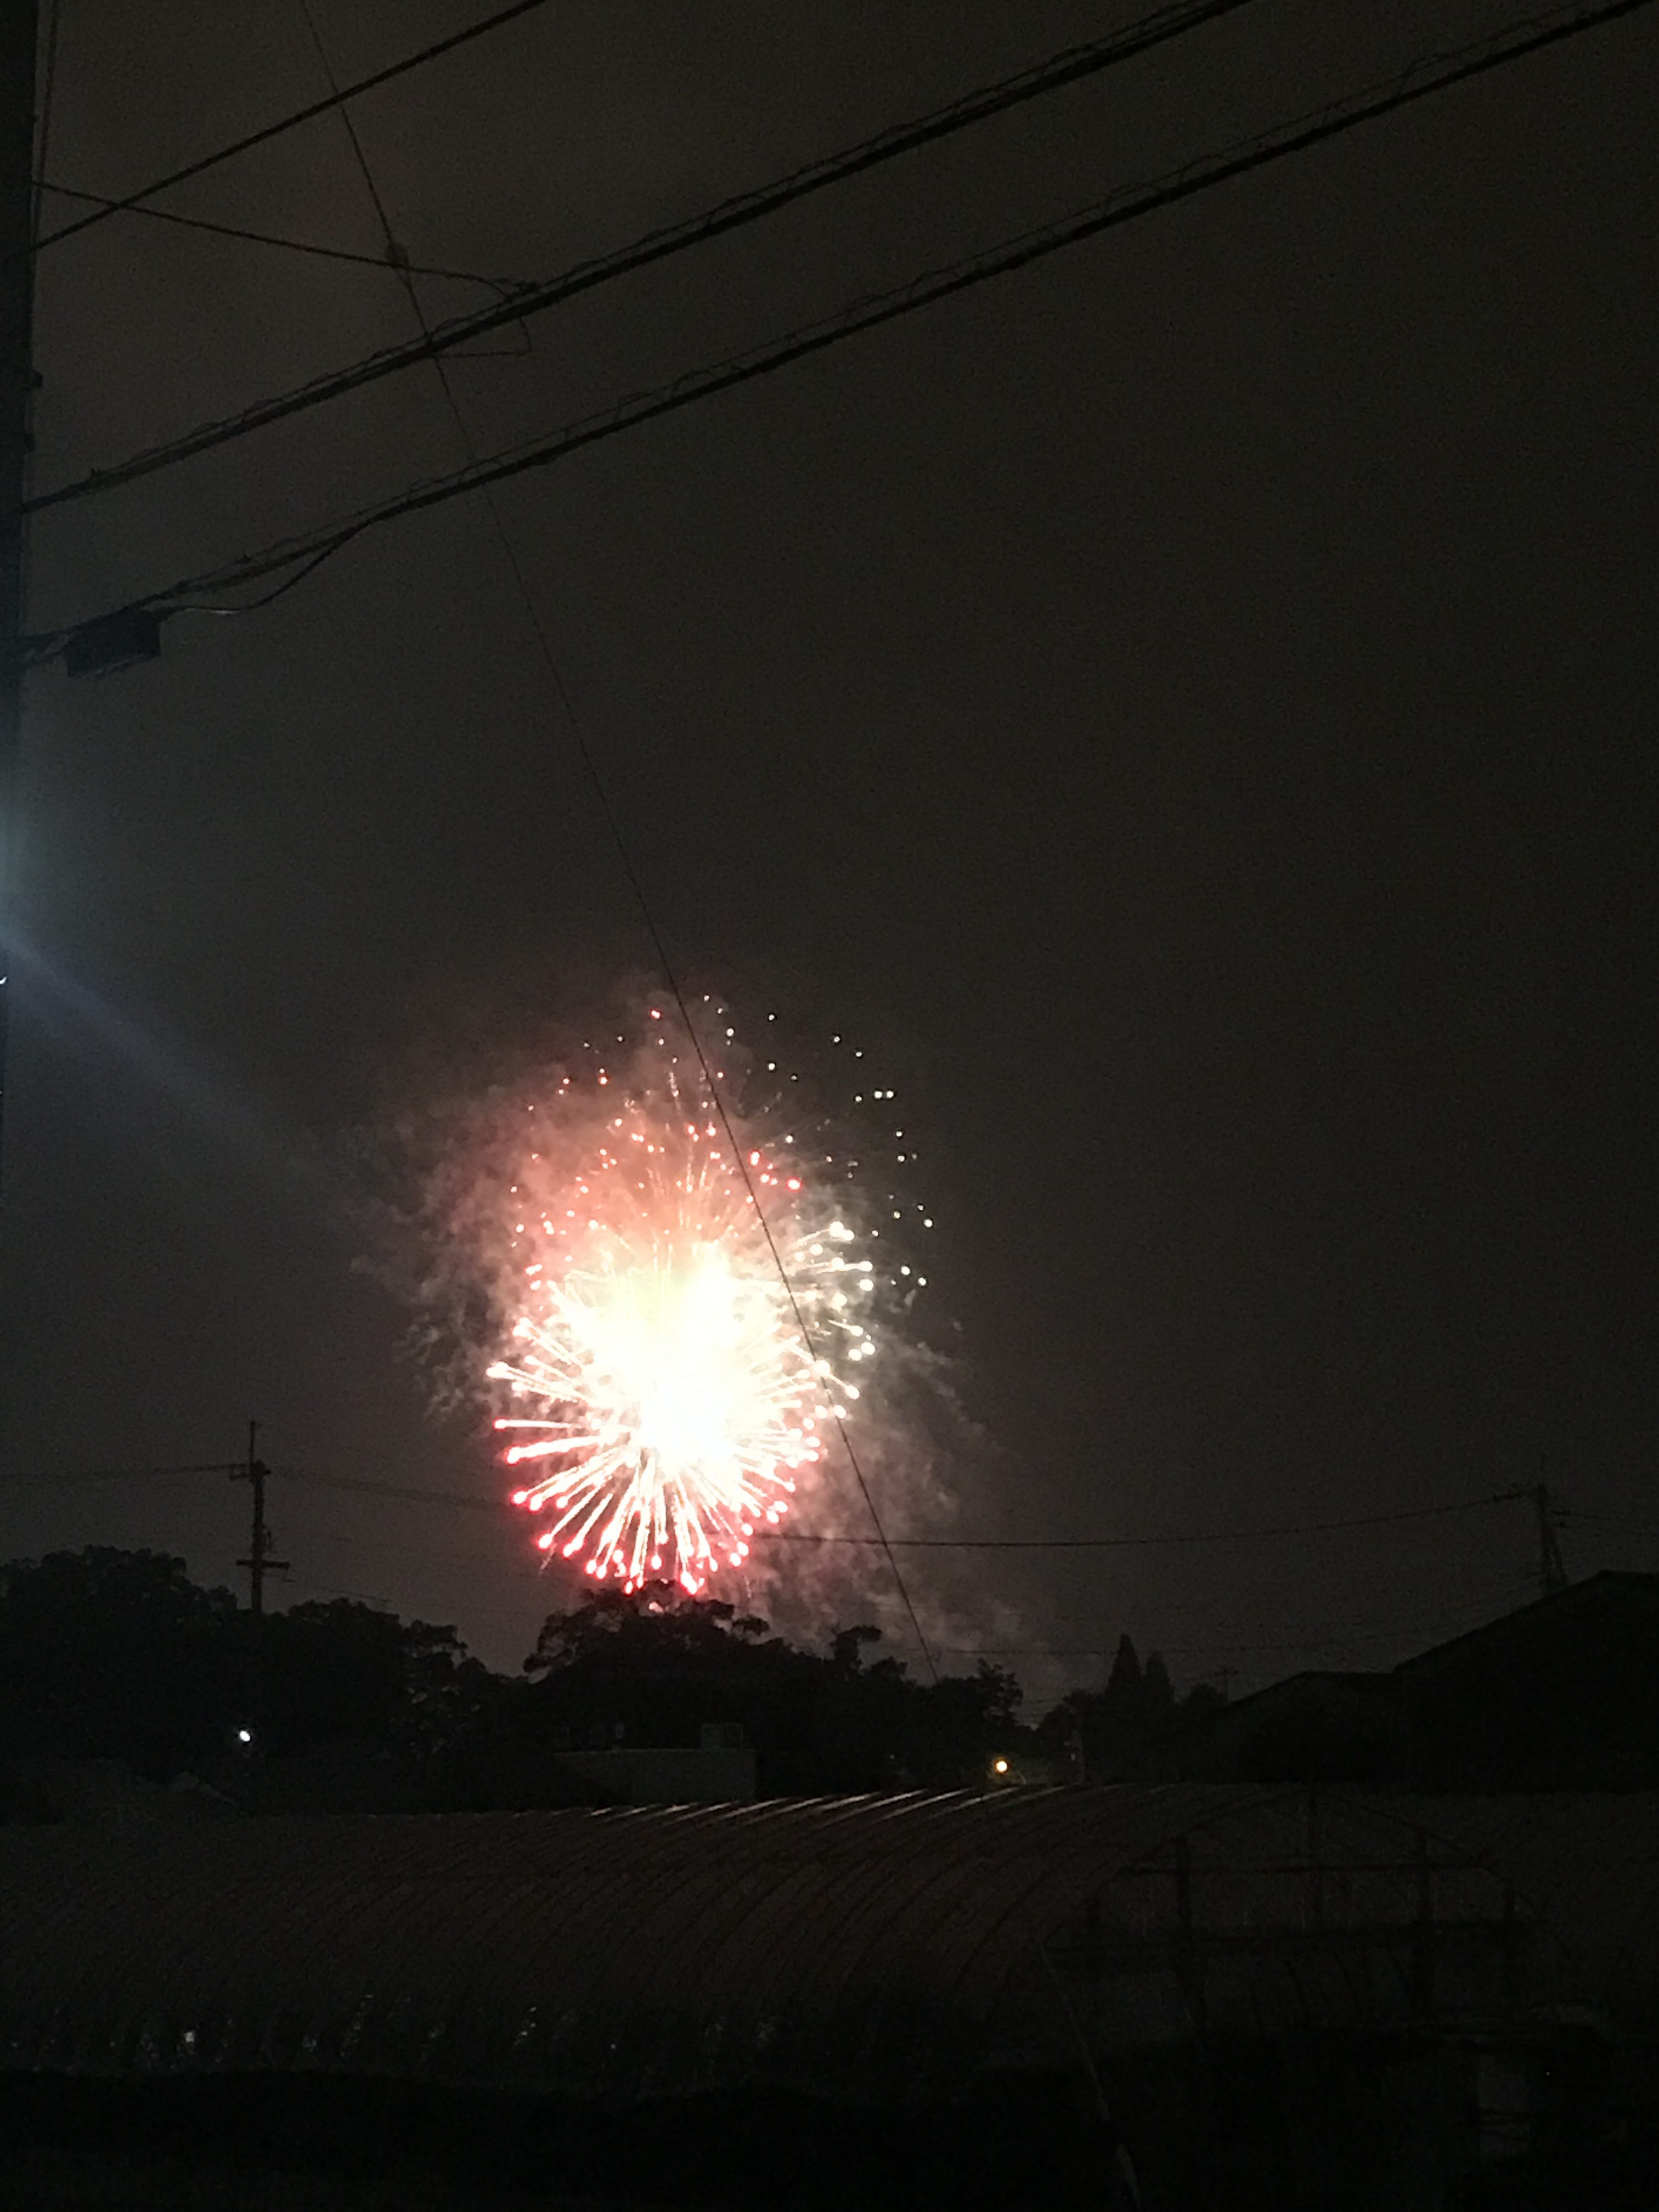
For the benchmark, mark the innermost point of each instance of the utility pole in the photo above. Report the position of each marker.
(1551, 1568)
(1551, 1571)
(258, 1561)
(19, 31)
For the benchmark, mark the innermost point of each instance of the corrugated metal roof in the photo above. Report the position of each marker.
(855, 1944)
(595, 1949)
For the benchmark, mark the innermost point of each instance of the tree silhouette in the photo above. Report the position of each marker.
(1103, 1733)
(654, 1667)
(1158, 1697)
(108, 1654)
(339, 1672)
(115, 1655)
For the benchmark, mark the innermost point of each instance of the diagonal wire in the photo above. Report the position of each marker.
(1068, 67)
(368, 1487)
(1137, 1543)
(287, 123)
(881, 1537)
(43, 126)
(590, 764)
(501, 284)
(411, 1493)
(307, 551)
(119, 1473)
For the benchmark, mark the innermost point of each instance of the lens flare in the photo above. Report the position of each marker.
(692, 1316)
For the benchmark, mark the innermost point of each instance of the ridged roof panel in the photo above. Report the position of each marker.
(850, 1943)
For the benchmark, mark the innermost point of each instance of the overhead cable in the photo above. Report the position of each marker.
(1422, 78)
(269, 131)
(1130, 1543)
(365, 1486)
(47, 105)
(1341, 1634)
(119, 1473)
(1069, 67)
(406, 1494)
(1572, 1515)
(45, 186)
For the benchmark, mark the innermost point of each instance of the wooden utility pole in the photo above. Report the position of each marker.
(1550, 1571)
(18, 29)
(258, 1561)
(1551, 1568)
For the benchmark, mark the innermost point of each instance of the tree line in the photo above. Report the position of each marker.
(118, 1656)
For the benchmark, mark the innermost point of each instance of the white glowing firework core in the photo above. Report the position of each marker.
(682, 1367)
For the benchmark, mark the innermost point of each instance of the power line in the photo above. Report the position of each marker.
(365, 1486)
(408, 1493)
(1572, 1515)
(43, 123)
(269, 131)
(116, 1473)
(395, 258)
(881, 1538)
(307, 552)
(1068, 67)
(240, 232)
(1341, 1633)
(436, 1550)
(1133, 1543)
(362, 1485)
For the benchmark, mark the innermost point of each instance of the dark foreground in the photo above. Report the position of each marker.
(1402, 2131)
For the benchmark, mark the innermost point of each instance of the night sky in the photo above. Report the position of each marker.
(1188, 706)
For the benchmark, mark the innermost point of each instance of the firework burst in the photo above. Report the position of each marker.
(694, 1311)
